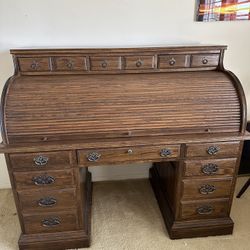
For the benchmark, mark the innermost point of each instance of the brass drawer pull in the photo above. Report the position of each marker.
(43, 180)
(104, 64)
(69, 64)
(207, 189)
(93, 156)
(165, 152)
(34, 65)
(130, 151)
(205, 210)
(51, 222)
(172, 62)
(209, 169)
(47, 202)
(213, 150)
(41, 160)
(204, 61)
(138, 64)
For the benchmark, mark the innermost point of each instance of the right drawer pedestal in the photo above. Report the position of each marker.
(195, 194)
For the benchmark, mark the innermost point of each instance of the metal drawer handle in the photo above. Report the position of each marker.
(104, 64)
(43, 180)
(70, 64)
(209, 169)
(204, 61)
(172, 61)
(93, 156)
(34, 65)
(213, 150)
(138, 64)
(130, 151)
(205, 210)
(41, 160)
(51, 222)
(207, 189)
(165, 152)
(47, 202)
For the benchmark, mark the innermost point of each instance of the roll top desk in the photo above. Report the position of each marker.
(65, 110)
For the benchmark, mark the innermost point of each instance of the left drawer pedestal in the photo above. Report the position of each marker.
(53, 197)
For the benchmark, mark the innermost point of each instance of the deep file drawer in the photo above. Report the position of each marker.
(50, 222)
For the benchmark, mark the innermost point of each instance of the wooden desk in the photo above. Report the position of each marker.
(65, 110)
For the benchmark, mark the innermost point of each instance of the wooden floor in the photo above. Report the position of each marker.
(126, 217)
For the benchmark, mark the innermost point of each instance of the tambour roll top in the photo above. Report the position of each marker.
(182, 92)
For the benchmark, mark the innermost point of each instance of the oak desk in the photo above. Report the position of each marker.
(65, 110)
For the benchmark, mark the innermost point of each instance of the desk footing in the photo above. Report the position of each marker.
(191, 228)
(63, 240)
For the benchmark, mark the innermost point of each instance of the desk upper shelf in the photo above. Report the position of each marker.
(118, 61)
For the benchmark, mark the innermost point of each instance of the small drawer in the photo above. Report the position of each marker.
(205, 60)
(204, 209)
(209, 167)
(47, 200)
(50, 222)
(43, 179)
(67, 63)
(34, 64)
(105, 63)
(173, 61)
(139, 62)
(42, 160)
(119, 155)
(213, 149)
(194, 189)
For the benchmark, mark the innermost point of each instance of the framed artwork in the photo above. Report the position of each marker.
(222, 10)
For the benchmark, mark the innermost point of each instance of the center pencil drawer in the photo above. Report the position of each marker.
(144, 153)
(38, 179)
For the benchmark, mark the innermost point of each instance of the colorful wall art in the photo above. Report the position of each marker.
(223, 10)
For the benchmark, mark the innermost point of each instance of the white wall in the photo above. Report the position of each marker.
(96, 23)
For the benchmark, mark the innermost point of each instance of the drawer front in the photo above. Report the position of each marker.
(210, 167)
(219, 149)
(50, 222)
(206, 188)
(105, 63)
(205, 60)
(173, 61)
(47, 200)
(43, 179)
(204, 209)
(42, 160)
(95, 157)
(139, 62)
(34, 64)
(68, 63)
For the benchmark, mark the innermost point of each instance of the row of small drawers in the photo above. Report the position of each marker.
(66, 159)
(93, 63)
